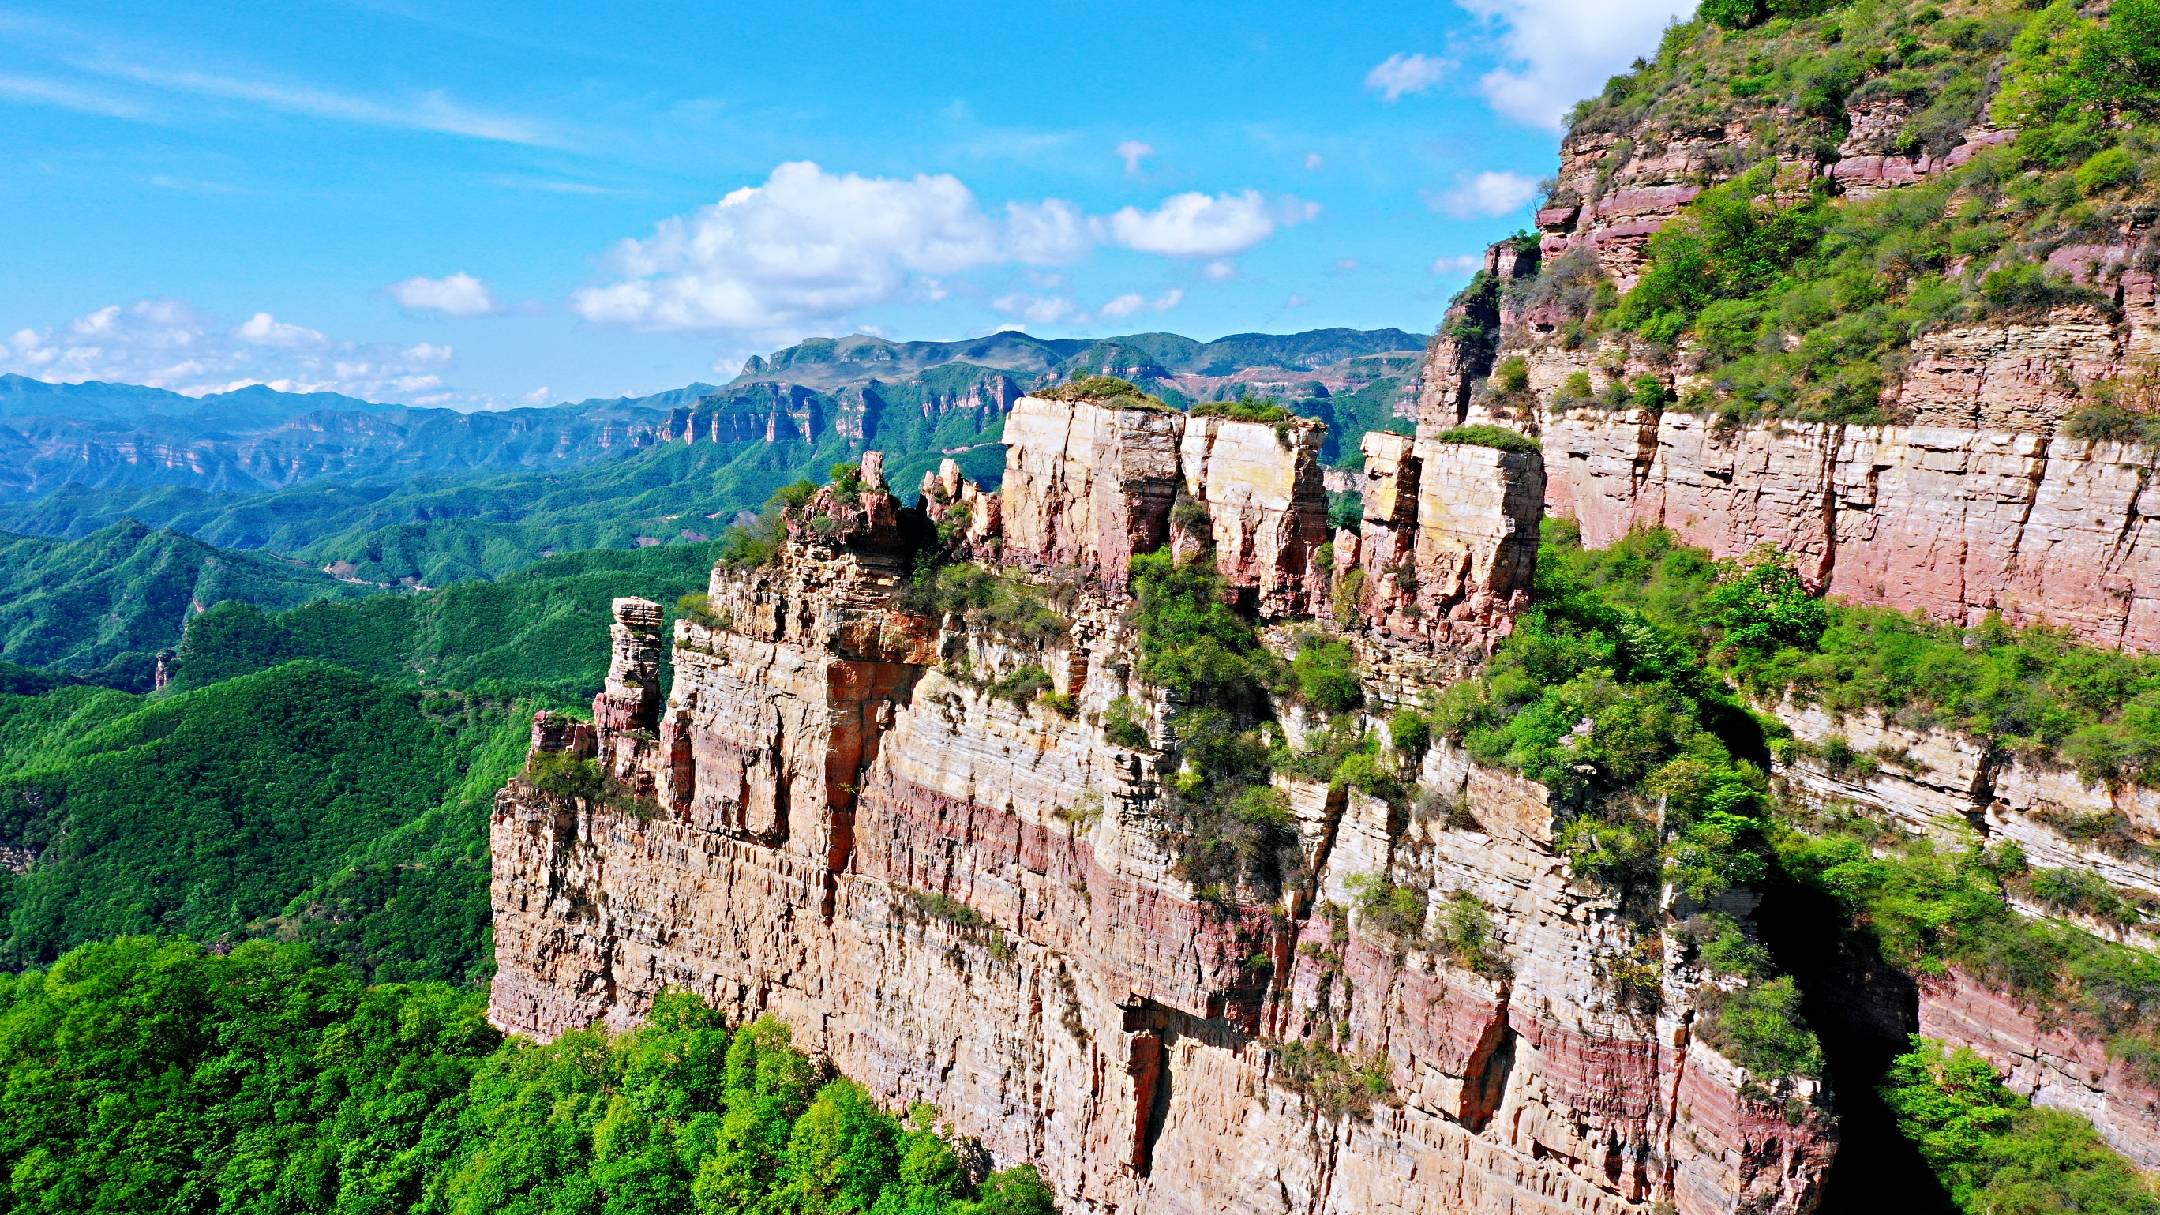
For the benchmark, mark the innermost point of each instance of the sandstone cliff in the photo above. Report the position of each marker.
(968, 898)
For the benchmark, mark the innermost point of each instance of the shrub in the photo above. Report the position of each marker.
(1498, 437)
(564, 777)
(1108, 391)
(2107, 170)
(1994, 1151)
(757, 543)
(1003, 602)
(1762, 606)
(1761, 1028)
(1326, 673)
(1020, 685)
(697, 606)
(1333, 1083)
(1122, 726)
(1244, 409)
(1465, 934)
(1512, 376)
(1409, 732)
(1390, 910)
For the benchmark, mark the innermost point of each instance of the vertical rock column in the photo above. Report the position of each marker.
(1088, 486)
(1450, 536)
(627, 710)
(1266, 504)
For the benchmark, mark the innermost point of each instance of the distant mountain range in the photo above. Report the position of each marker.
(98, 436)
(134, 509)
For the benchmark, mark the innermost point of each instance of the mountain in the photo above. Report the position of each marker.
(103, 606)
(252, 440)
(723, 452)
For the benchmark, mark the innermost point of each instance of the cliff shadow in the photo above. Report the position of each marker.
(1865, 1011)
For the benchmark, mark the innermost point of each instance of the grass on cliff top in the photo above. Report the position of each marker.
(1108, 391)
(1996, 1152)
(1499, 438)
(157, 1077)
(1803, 308)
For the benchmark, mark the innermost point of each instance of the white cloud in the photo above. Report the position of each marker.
(1221, 270)
(1296, 301)
(1454, 264)
(1313, 160)
(1132, 302)
(1132, 152)
(432, 110)
(262, 329)
(166, 343)
(1048, 233)
(1556, 52)
(1490, 194)
(1399, 75)
(1201, 225)
(38, 91)
(538, 396)
(1042, 310)
(808, 249)
(458, 294)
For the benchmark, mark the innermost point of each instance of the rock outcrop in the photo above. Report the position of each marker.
(842, 820)
(1953, 522)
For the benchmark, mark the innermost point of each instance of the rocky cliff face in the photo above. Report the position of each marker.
(971, 900)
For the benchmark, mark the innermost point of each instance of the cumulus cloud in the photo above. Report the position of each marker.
(1042, 310)
(166, 343)
(808, 249)
(1490, 194)
(458, 294)
(1556, 52)
(1132, 152)
(1399, 75)
(1221, 270)
(1458, 264)
(1132, 302)
(1203, 225)
(262, 329)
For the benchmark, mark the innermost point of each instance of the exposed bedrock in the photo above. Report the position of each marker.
(971, 901)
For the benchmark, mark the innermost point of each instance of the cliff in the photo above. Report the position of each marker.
(1868, 351)
(847, 817)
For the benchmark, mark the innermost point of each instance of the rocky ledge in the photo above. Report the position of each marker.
(842, 817)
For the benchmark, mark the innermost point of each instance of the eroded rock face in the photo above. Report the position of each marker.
(1953, 522)
(1087, 486)
(973, 902)
(2059, 1067)
(1267, 507)
(1448, 547)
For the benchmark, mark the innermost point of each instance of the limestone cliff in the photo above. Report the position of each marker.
(967, 897)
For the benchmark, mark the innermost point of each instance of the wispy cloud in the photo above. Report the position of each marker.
(433, 110)
(38, 91)
(1400, 75)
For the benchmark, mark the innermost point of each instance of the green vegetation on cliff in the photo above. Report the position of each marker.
(1803, 306)
(1996, 1152)
(140, 1077)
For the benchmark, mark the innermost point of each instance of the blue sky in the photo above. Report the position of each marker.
(493, 204)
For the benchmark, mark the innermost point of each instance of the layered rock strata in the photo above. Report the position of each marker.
(1953, 522)
(970, 899)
